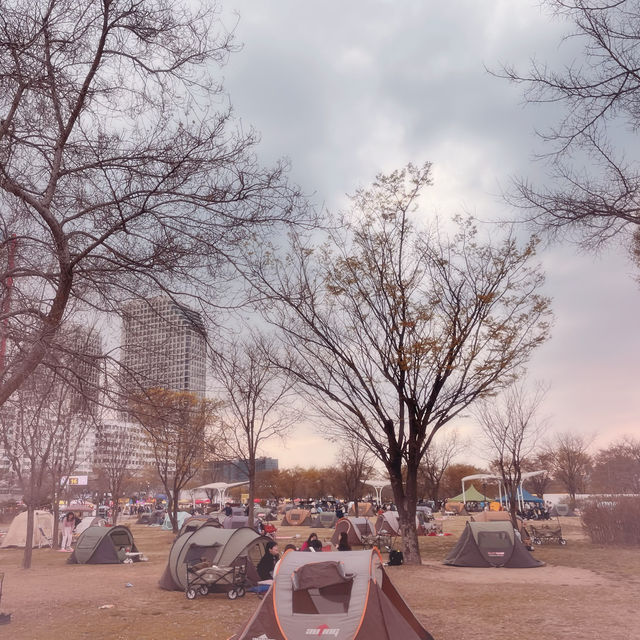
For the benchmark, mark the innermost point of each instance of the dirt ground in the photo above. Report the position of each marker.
(585, 591)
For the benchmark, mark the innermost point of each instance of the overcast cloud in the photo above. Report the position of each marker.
(346, 90)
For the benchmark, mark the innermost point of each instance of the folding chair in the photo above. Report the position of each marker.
(44, 536)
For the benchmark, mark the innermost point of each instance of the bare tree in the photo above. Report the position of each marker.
(596, 182)
(41, 431)
(391, 331)
(538, 484)
(177, 424)
(118, 176)
(256, 404)
(118, 444)
(353, 466)
(511, 428)
(571, 462)
(436, 461)
(616, 468)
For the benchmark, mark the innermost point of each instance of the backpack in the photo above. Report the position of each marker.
(396, 558)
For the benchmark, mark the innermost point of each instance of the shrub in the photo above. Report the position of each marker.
(615, 521)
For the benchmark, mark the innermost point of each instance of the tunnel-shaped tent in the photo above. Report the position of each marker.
(221, 547)
(334, 594)
(490, 544)
(103, 545)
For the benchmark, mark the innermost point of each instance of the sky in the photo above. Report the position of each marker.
(346, 90)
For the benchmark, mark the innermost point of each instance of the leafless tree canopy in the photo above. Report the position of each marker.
(391, 330)
(122, 172)
(255, 401)
(596, 179)
(511, 427)
(569, 454)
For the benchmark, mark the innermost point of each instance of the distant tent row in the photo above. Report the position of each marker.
(218, 546)
(346, 593)
(490, 544)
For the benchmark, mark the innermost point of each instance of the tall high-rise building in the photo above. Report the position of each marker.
(163, 345)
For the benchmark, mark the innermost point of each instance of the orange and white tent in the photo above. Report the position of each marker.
(338, 594)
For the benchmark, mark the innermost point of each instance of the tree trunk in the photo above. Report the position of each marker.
(405, 499)
(28, 546)
(251, 469)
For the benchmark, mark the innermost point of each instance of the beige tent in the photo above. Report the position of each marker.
(503, 516)
(296, 518)
(42, 530)
(365, 510)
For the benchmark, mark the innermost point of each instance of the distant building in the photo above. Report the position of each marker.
(237, 470)
(163, 345)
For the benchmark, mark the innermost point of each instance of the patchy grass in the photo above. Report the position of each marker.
(586, 591)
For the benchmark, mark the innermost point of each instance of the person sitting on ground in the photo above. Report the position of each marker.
(307, 543)
(290, 546)
(268, 561)
(343, 542)
(315, 545)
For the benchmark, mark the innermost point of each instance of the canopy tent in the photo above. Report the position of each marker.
(470, 495)
(221, 489)
(490, 544)
(219, 546)
(355, 528)
(104, 545)
(523, 496)
(42, 530)
(344, 594)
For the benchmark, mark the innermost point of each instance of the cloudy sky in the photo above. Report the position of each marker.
(346, 90)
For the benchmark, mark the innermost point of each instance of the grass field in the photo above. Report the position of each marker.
(585, 592)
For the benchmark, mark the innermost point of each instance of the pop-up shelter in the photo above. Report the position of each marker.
(221, 547)
(365, 510)
(490, 544)
(296, 518)
(182, 516)
(338, 594)
(324, 520)
(355, 529)
(104, 545)
(471, 495)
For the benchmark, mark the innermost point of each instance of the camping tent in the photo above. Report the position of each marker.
(89, 521)
(365, 510)
(325, 519)
(389, 523)
(219, 546)
(503, 516)
(346, 593)
(104, 545)
(195, 522)
(355, 528)
(561, 510)
(490, 544)
(182, 516)
(237, 522)
(296, 518)
(42, 530)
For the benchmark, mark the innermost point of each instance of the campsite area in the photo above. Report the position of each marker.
(584, 591)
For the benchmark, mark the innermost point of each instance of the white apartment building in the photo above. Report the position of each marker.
(163, 345)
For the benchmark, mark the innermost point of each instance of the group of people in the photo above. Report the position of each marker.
(266, 566)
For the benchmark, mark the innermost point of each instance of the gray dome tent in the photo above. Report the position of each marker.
(346, 593)
(325, 519)
(490, 544)
(355, 528)
(220, 546)
(103, 545)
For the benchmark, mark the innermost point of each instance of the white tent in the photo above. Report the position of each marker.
(42, 530)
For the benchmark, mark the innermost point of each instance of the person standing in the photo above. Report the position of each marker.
(68, 525)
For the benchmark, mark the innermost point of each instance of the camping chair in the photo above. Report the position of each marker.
(47, 540)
